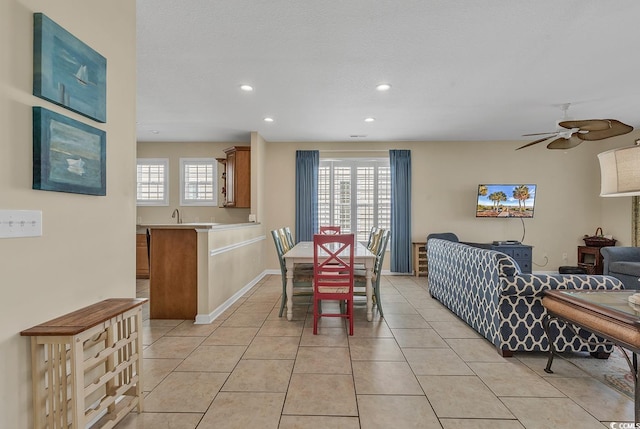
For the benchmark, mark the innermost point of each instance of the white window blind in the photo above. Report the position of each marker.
(152, 181)
(355, 194)
(198, 185)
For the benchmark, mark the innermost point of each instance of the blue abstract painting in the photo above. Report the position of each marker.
(68, 72)
(68, 156)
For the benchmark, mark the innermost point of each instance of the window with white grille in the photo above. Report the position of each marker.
(152, 182)
(198, 182)
(355, 194)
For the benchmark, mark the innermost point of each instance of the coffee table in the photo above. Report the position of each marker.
(607, 314)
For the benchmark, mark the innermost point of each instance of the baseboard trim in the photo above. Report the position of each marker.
(205, 319)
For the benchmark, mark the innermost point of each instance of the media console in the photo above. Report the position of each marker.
(521, 253)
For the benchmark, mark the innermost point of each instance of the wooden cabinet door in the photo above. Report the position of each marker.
(238, 177)
(142, 257)
(231, 180)
(173, 286)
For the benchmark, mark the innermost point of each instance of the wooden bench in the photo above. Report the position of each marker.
(87, 365)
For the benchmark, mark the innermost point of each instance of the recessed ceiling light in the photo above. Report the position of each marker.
(268, 119)
(246, 87)
(369, 119)
(155, 131)
(383, 87)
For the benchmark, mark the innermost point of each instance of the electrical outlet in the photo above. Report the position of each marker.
(565, 256)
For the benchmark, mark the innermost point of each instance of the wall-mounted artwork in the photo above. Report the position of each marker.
(68, 72)
(68, 156)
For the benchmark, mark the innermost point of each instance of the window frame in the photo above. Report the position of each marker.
(213, 202)
(164, 162)
(354, 164)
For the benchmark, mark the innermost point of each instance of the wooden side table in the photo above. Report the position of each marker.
(590, 259)
(87, 363)
(420, 259)
(604, 313)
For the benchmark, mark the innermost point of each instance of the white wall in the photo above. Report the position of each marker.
(444, 187)
(87, 250)
(174, 151)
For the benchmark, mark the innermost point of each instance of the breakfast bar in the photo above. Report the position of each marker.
(191, 273)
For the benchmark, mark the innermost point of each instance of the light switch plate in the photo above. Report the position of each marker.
(20, 223)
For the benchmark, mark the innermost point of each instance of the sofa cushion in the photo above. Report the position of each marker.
(507, 267)
(625, 267)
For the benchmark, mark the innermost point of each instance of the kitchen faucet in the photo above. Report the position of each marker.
(176, 212)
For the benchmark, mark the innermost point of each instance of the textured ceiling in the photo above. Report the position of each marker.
(459, 69)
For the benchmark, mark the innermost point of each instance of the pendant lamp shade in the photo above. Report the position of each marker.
(620, 172)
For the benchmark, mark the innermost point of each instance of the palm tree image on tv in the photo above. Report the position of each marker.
(506, 201)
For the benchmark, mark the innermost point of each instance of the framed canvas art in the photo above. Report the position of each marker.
(68, 72)
(68, 156)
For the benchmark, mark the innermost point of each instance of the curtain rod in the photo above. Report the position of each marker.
(357, 150)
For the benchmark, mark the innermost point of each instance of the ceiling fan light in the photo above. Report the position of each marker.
(620, 172)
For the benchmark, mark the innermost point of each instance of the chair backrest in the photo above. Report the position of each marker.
(374, 239)
(382, 247)
(284, 240)
(289, 237)
(333, 261)
(277, 240)
(372, 234)
(334, 229)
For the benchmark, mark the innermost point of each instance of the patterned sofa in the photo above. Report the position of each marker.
(486, 289)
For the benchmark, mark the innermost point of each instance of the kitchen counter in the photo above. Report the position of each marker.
(191, 266)
(141, 228)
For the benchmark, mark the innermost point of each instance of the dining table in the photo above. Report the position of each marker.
(302, 253)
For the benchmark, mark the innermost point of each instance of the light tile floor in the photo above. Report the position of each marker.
(419, 367)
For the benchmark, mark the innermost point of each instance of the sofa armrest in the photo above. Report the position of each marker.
(535, 284)
(614, 254)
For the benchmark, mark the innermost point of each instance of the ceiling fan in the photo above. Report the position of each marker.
(575, 132)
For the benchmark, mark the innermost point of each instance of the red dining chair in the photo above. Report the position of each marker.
(333, 275)
(330, 230)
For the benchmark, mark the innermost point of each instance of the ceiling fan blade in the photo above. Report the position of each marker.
(615, 128)
(587, 124)
(563, 143)
(534, 142)
(540, 134)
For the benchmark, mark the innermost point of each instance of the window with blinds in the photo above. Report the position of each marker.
(355, 194)
(198, 182)
(152, 182)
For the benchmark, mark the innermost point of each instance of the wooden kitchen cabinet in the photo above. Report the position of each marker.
(142, 257)
(237, 185)
(173, 284)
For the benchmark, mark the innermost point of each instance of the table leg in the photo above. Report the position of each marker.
(547, 331)
(289, 289)
(369, 289)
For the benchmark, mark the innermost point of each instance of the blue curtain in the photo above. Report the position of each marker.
(307, 165)
(400, 162)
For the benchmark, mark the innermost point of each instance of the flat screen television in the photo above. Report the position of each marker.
(506, 201)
